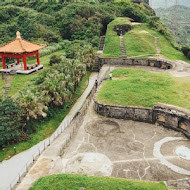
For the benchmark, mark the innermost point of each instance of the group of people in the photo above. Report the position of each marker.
(96, 82)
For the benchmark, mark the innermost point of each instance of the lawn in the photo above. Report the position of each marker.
(112, 42)
(19, 81)
(45, 127)
(75, 182)
(143, 88)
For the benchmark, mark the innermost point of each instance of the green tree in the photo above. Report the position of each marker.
(10, 122)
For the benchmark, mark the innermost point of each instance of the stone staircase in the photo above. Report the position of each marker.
(123, 50)
(95, 67)
(101, 44)
(8, 80)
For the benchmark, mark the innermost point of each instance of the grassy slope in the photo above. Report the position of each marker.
(20, 80)
(138, 43)
(44, 128)
(166, 48)
(112, 42)
(75, 182)
(143, 88)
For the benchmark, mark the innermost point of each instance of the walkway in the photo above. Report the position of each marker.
(9, 169)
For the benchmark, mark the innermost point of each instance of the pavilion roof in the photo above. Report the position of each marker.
(20, 45)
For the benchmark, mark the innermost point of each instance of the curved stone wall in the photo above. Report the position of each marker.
(172, 117)
(152, 62)
(166, 115)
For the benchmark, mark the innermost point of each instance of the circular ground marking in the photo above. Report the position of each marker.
(102, 128)
(183, 152)
(89, 163)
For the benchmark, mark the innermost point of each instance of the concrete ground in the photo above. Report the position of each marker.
(111, 147)
(128, 145)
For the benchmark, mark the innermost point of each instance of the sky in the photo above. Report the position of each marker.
(168, 3)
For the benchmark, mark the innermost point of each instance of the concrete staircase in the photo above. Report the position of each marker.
(123, 50)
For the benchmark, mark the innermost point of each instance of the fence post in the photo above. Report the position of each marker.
(26, 168)
(19, 178)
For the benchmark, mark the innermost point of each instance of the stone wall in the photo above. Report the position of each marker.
(172, 117)
(124, 112)
(166, 115)
(152, 62)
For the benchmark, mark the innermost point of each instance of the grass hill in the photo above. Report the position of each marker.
(176, 20)
(140, 41)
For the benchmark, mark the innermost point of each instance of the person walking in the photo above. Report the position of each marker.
(110, 76)
(96, 83)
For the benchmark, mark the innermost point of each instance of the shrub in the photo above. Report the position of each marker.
(188, 55)
(55, 59)
(10, 125)
(185, 50)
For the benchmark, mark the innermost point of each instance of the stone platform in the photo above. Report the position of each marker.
(18, 69)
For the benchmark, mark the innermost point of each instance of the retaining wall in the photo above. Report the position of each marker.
(166, 115)
(152, 62)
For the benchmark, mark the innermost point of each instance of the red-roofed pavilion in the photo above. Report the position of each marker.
(20, 49)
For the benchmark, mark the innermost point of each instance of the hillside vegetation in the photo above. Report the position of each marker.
(176, 19)
(75, 182)
(52, 22)
(143, 88)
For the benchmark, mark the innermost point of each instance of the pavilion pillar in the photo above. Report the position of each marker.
(24, 61)
(38, 58)
(18, 60)
(3, 62)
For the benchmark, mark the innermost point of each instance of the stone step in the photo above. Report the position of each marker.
(101, 44)
(13, 72)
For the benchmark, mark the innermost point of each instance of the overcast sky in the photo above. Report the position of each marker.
(168, 3)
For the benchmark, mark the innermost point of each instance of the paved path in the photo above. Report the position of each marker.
(9, 169)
